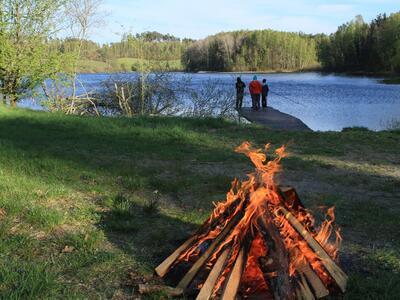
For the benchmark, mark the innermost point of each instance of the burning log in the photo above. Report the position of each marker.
(233, 281)
(163, 268)
(260, 244)
(185, 281)
(278, 258)
(317, 285)
(334, 270)
(209, 225)
(208, 287)
(303, 292)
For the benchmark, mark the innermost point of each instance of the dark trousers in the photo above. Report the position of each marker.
(255, 99)
(239, 100)
(264, 100)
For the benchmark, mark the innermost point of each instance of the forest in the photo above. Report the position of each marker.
(259, 50)
(356, 46)
(359, 46)
(159, 51)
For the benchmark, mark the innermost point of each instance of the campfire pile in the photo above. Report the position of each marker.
(259, 244)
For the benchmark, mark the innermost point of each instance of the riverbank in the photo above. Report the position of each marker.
(80, 216)
(269, 71)
(388, 77)
(128, 64)
(395, 80)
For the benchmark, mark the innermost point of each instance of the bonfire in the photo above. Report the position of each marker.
(261, 243)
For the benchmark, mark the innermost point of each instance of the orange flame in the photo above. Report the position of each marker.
(250, 200)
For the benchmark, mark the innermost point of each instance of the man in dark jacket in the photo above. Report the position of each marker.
(240, 85)
(265, 90)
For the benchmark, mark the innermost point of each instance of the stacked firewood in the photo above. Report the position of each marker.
(260, 244)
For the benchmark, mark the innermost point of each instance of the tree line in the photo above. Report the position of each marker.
(146, 45)
(258, 50)
(358, 46)
(355, 46)
(31, 52)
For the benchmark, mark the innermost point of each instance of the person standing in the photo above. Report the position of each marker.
(240, 86)
(265, 90)
(255, 88)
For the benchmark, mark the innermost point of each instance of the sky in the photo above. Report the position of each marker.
(198, 19)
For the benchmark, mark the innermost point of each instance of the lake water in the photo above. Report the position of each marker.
(323, 102)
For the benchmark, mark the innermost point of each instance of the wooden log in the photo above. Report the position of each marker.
(145, 289)
(233, 282)
(303, 292)
(164, 267)
(185, 281)
(316, 283)
(208, 287)
(292, 202)
(278, 259)
(209, 225)
(291, 197)
(333, 269)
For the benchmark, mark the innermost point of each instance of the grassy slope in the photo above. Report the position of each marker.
(89, 184)
(125, 65)
(93, 66)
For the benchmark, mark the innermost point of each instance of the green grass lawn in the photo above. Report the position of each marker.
(80, 219)
(127, 64)
(93, 66)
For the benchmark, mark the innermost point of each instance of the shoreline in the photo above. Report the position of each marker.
(385, 78)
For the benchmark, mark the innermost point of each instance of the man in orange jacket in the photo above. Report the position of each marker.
(255, 88)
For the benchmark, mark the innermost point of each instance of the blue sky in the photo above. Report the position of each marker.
(198, 19)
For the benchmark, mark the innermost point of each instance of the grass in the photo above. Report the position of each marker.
(93, 66)
(89, 206)
(129, 64)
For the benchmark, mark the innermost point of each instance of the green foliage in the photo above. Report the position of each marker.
(158, 51)
(391, 81)
(259, 50)
(25, 57)
(357, 46)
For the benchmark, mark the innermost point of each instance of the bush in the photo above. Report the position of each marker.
(141, 94)
(212, 99)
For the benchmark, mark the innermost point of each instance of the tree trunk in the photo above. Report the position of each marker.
(13, 100)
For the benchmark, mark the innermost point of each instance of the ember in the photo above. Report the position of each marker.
(259, 244)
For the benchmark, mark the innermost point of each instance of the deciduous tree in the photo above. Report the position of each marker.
(25, 58)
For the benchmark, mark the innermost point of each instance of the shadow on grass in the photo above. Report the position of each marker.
(89, 155)
(144, 231)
